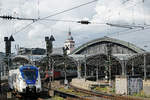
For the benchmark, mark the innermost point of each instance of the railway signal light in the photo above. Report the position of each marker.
(8, 50)
(11, 38)
(8, 44)
(49, 45)
(46, 38)
(52, 38)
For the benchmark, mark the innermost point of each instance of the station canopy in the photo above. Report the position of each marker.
(58, 61)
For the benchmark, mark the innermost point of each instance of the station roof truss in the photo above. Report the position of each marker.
(137, 61)
(20, 59)
(59, 60)
(99, 46)
(101, 60)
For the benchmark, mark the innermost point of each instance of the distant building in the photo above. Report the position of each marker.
(31, 51)
(70, 43)
(57, 50)
(2, 55)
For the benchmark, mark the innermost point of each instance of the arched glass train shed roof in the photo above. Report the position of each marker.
(99, 46)
(122, 54)
(21, 59)
(121, 50)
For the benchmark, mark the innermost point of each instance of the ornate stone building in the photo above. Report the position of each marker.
(70, 43)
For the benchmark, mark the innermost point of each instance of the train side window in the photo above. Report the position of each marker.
(14, 77)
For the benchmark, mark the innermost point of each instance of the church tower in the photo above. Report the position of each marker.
(70, 43)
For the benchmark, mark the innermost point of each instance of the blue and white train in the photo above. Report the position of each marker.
(25, 79)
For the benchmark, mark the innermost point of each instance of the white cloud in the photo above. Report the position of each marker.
(118, 11)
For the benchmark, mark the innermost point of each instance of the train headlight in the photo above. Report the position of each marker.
(36, 81)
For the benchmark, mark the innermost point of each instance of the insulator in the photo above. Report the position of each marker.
(84, 22)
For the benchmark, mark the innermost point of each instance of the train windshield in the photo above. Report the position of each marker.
(29, 74)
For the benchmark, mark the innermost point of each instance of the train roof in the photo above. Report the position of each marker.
(28, 67)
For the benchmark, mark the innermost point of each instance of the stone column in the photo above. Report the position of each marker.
(85, 69)
(145, 76)
(132, 68)
(79, 69)
(122, 65)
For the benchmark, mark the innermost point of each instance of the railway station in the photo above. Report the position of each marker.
(74, 50)
(94, 58)
(96, 62)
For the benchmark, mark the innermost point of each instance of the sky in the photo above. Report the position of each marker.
(120, 12)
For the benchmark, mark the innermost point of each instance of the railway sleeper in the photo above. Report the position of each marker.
(104, 95)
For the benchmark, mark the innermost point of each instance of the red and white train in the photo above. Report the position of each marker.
(57, 74)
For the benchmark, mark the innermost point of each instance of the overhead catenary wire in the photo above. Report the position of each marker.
(133, 4)
(145, 27)
(129, 31)
(38, 12)
(23, 28)
(45, 18)
(143, 8)
(35, 20)
(76, 21)
(123, 5)
(68, 9)
(133, 20)
(125, 1)
(135, 26)
(63, 20)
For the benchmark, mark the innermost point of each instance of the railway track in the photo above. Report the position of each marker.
(104, 95)
(4, 96)
(69, 96)
(92, 94)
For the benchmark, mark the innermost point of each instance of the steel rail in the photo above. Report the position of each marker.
(104, 95)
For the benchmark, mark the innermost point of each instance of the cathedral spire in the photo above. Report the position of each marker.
(69, 33)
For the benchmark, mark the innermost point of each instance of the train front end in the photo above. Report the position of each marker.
(31, 82)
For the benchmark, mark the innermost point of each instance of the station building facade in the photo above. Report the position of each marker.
(102, 54)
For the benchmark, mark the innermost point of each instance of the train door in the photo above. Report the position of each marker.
(14, 80)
